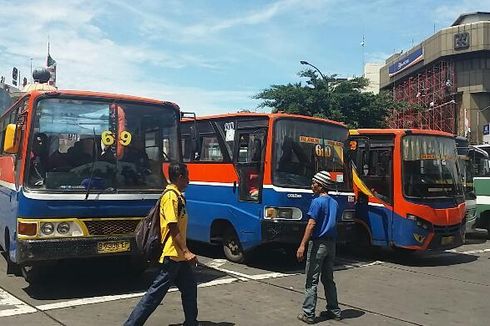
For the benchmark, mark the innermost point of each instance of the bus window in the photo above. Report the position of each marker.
(210, 149)
(379, 176)
(249, 159)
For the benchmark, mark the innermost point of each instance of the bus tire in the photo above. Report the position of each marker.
(232, 247)
(12, 268)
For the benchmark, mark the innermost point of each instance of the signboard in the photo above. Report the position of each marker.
(486, 129)
(461, 40)
(406, 62)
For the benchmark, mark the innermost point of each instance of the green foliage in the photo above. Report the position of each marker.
(332, 98)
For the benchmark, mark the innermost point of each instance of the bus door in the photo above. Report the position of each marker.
(249, 162)
(374, 183)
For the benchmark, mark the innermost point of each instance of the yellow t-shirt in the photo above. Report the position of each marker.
(168, 214)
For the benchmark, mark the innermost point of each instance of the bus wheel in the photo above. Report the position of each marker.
(232, 247)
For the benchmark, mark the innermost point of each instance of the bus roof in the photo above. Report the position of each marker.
(400, 132)
(273, 116)
(103, 95)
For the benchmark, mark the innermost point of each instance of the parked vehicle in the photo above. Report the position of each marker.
(78, 170)
(409, 193)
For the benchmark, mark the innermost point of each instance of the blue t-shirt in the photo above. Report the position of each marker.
(323, 210)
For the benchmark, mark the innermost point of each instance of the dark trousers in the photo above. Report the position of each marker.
(171, 272)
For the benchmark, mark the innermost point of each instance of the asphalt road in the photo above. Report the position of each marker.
(377, 287)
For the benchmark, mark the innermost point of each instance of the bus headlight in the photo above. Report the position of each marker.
(63, 228)
(47, 228)
(284, 213)
(420, 222)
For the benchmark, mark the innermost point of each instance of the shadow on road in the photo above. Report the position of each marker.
(266, 258)
(208, 323)
(409, 258)
(89, 278)
(346, 314)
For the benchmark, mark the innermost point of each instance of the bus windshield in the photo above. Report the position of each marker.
(105, 146)
(301, 148)
(430, 167)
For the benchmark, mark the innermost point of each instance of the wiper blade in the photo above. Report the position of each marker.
(92, 169)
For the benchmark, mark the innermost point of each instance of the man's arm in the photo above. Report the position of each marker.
(300, 254)
(179, 241)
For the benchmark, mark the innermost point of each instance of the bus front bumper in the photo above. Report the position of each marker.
(65, 248)
(282, 231)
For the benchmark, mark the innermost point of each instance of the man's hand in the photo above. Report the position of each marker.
(190, 257)
(300, 254)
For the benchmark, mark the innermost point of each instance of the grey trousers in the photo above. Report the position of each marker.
(319, 263)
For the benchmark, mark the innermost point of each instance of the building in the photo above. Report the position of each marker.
(371, 73)
(446, 78)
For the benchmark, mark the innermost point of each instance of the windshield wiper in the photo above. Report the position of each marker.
(92, 169)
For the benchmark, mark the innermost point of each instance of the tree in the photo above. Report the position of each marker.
(332, 98)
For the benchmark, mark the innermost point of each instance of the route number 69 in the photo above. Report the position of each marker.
(108, 138)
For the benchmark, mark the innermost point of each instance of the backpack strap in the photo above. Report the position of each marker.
(180, 207)
(181, 201)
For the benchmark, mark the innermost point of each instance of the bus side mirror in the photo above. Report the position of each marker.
(12, 139)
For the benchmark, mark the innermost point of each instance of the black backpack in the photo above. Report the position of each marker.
(148, 234)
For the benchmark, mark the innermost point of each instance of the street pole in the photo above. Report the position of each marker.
(309, 64)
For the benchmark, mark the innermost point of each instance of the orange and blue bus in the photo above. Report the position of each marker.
(251, 175)
(409, 193)
(78, 171)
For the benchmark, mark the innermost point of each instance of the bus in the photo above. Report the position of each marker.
(409, 193)
(251, 176)
(481, 181)
(78, 171)
(474, 163)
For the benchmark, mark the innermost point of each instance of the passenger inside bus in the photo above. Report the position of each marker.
(293, 158)
(82, 152)
(38, 159)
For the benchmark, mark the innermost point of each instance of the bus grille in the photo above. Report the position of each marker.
(447, 229)
(109, 227)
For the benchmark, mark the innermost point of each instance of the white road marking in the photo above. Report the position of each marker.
(469, 252)
(101, 299)
(18, 307)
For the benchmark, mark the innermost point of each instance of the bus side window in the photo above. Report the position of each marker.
(210, 149)
(378, 179)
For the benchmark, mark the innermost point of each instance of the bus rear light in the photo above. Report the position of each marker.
(27, 228)
(420, 222)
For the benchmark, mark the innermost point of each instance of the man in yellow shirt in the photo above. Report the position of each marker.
(176, 261)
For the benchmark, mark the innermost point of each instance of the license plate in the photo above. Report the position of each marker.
(447, 240)
(108, 247)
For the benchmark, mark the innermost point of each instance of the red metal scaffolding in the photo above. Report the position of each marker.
(431, 92)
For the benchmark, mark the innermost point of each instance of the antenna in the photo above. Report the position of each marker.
(363, 56)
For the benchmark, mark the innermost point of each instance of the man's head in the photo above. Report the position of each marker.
(178, 175)
(321, 182)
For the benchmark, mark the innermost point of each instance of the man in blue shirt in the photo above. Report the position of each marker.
(320, 236)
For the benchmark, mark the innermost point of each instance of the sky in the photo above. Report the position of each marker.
(211, 56)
